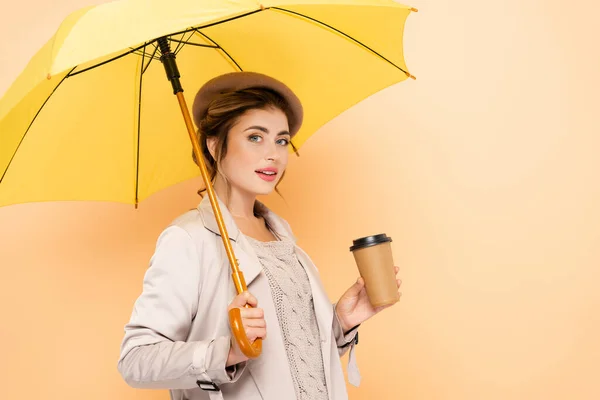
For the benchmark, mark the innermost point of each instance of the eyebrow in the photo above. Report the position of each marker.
(265, 130)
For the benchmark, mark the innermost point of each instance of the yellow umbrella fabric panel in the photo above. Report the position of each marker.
(111, 133)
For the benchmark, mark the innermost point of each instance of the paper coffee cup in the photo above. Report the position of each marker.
(373, 255)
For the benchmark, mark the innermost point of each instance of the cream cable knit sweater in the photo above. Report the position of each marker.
(294, 304)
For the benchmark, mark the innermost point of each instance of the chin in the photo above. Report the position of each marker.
(264, 188)
(259, 190)
(264, 192)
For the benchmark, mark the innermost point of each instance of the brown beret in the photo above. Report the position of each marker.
(244, 80)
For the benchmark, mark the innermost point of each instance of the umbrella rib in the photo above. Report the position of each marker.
(226, 20)
(139, 120)
(195, 44)
(31, 123)
(149, 61)
(220, 48)
(182, 43)
(341, 33)
(143, 54)
(176, 33)
(107, 61)
(178, 43)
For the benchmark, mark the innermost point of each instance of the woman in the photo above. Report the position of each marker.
(179, 336)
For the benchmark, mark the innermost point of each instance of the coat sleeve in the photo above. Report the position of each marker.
(154, 350)
(344, 341)
(347, 342)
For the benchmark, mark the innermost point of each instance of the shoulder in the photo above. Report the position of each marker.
(188, 221)
(187, 226)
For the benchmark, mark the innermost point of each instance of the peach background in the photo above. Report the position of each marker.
(485, 171)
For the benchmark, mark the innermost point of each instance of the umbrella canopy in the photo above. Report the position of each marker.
(92, 116)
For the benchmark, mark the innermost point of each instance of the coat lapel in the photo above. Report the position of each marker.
(249, 269)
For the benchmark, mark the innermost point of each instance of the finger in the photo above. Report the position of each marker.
(396, 269)
(240, 300)
(254, 333)
(252, 313)
(253, 301)
(355, 289)
(255, 323)
(358, 285)
(399, 282)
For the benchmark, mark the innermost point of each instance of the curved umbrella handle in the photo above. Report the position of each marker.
(250, 350)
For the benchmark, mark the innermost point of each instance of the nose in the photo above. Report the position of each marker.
(271, 153)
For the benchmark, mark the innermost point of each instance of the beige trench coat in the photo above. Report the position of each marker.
(178, 336)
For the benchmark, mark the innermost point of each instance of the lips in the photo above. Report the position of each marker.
(267, 174)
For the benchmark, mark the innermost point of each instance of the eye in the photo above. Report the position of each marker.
(283, 142)
(254, 138)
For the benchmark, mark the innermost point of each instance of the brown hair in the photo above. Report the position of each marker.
(223, 113)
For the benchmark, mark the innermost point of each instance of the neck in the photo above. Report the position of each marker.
(241, 205)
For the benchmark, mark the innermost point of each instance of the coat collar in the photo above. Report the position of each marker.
(277, 224)
(247, 259)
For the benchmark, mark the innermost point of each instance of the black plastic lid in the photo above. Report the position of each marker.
(369, 241)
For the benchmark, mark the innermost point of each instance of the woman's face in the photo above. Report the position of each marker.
(257, 151)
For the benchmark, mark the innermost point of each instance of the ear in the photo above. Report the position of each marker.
(211, 144)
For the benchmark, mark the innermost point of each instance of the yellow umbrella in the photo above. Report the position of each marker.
(89, 118)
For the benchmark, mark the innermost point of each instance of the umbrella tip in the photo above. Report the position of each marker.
(48, 76)
(261, 7)
(408, 74)
(414, 9)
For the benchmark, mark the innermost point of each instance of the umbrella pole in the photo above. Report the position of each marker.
(250, 350)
